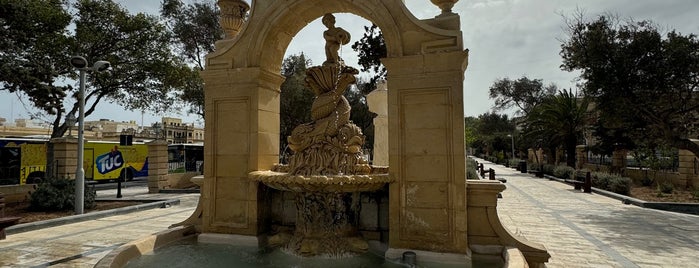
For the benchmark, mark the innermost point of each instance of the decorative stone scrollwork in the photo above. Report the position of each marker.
(233, 16)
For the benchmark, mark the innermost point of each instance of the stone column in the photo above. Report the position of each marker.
(688, 168)
(242, 135)
(580, 156)
(427, 200)
(618, 160)
(378, 104)
(65, 152)
(157, 166)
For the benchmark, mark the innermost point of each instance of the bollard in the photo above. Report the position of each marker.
(587, 187)
(121, 178)
(491, 174)
(410, 258)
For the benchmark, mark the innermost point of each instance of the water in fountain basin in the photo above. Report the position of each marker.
(190, 253)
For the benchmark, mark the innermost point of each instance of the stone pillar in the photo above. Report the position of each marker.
(688, 168)
(65, 152)
(618, 160)
(157, 166)
(580, 156)
(242, 135)
(378, 104)
(427, 200)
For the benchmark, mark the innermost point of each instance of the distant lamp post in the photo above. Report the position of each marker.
(513, 144)
(81, 64)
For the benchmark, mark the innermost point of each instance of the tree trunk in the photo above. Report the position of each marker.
(50, 160)
(570, 153)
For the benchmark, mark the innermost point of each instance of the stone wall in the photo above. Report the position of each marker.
(17, 193)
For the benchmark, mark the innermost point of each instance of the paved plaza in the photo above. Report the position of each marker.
(590, 230)
(578, 229)
(83, 244)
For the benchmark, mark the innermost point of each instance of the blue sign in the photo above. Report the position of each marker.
(109, 162)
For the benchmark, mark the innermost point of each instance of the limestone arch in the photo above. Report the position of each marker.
(426, 63)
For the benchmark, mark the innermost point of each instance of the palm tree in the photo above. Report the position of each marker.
(560, 120)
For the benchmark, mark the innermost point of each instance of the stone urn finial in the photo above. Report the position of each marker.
(233, 15)
(445, 5)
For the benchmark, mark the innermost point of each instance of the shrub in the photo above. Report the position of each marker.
(548, 169)
(471, 172)
(564, 172)
(500, 157)
(619, 185)
(647, 181)
(612, 183)
(58, 194)
(600, 180)
(665, 187)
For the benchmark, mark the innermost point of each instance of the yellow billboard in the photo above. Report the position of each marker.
(106, 160)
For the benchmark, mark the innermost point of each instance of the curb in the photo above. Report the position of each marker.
(31, 226)
(179, 191)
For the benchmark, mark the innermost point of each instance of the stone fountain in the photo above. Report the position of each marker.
(327, 171)
(432, 209)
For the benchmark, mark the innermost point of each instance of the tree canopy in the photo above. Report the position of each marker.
(559, 120)
(523, 93)
(371, 48)
(644, 83)
(196, 29)
(39, 39)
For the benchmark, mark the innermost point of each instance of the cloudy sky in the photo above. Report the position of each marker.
(506, 38)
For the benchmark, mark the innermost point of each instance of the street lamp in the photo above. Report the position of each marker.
(80, 63)
(513, 145)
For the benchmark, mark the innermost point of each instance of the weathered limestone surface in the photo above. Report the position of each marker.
(242, 102)
(65, 151)
(157, 166)
(377, 101)
(426, 60)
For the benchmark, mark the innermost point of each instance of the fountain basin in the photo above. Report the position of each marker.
(321, 183)
(177, 248)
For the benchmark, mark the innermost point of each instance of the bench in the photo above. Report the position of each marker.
(5, 221)
(490, 171)
(582, 181)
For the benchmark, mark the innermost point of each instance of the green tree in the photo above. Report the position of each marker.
(360, 114)
(195, 28)
(371, 48)
(523, 93)
(560, 120)
(39, 40)
(644, 83)
(296, 99)
(491, 130)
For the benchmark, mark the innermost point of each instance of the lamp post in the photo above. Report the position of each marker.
(80, 63)
(513, 144)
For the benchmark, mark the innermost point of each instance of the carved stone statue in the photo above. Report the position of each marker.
(330, 144)
(334, 38)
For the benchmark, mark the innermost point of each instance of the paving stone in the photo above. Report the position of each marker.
(590, 230)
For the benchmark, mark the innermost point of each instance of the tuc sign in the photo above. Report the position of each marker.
(110, 161)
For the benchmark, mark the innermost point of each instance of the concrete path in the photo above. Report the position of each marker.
(83, 244)
(590, 230)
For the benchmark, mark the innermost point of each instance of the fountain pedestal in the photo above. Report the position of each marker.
(327, 211)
